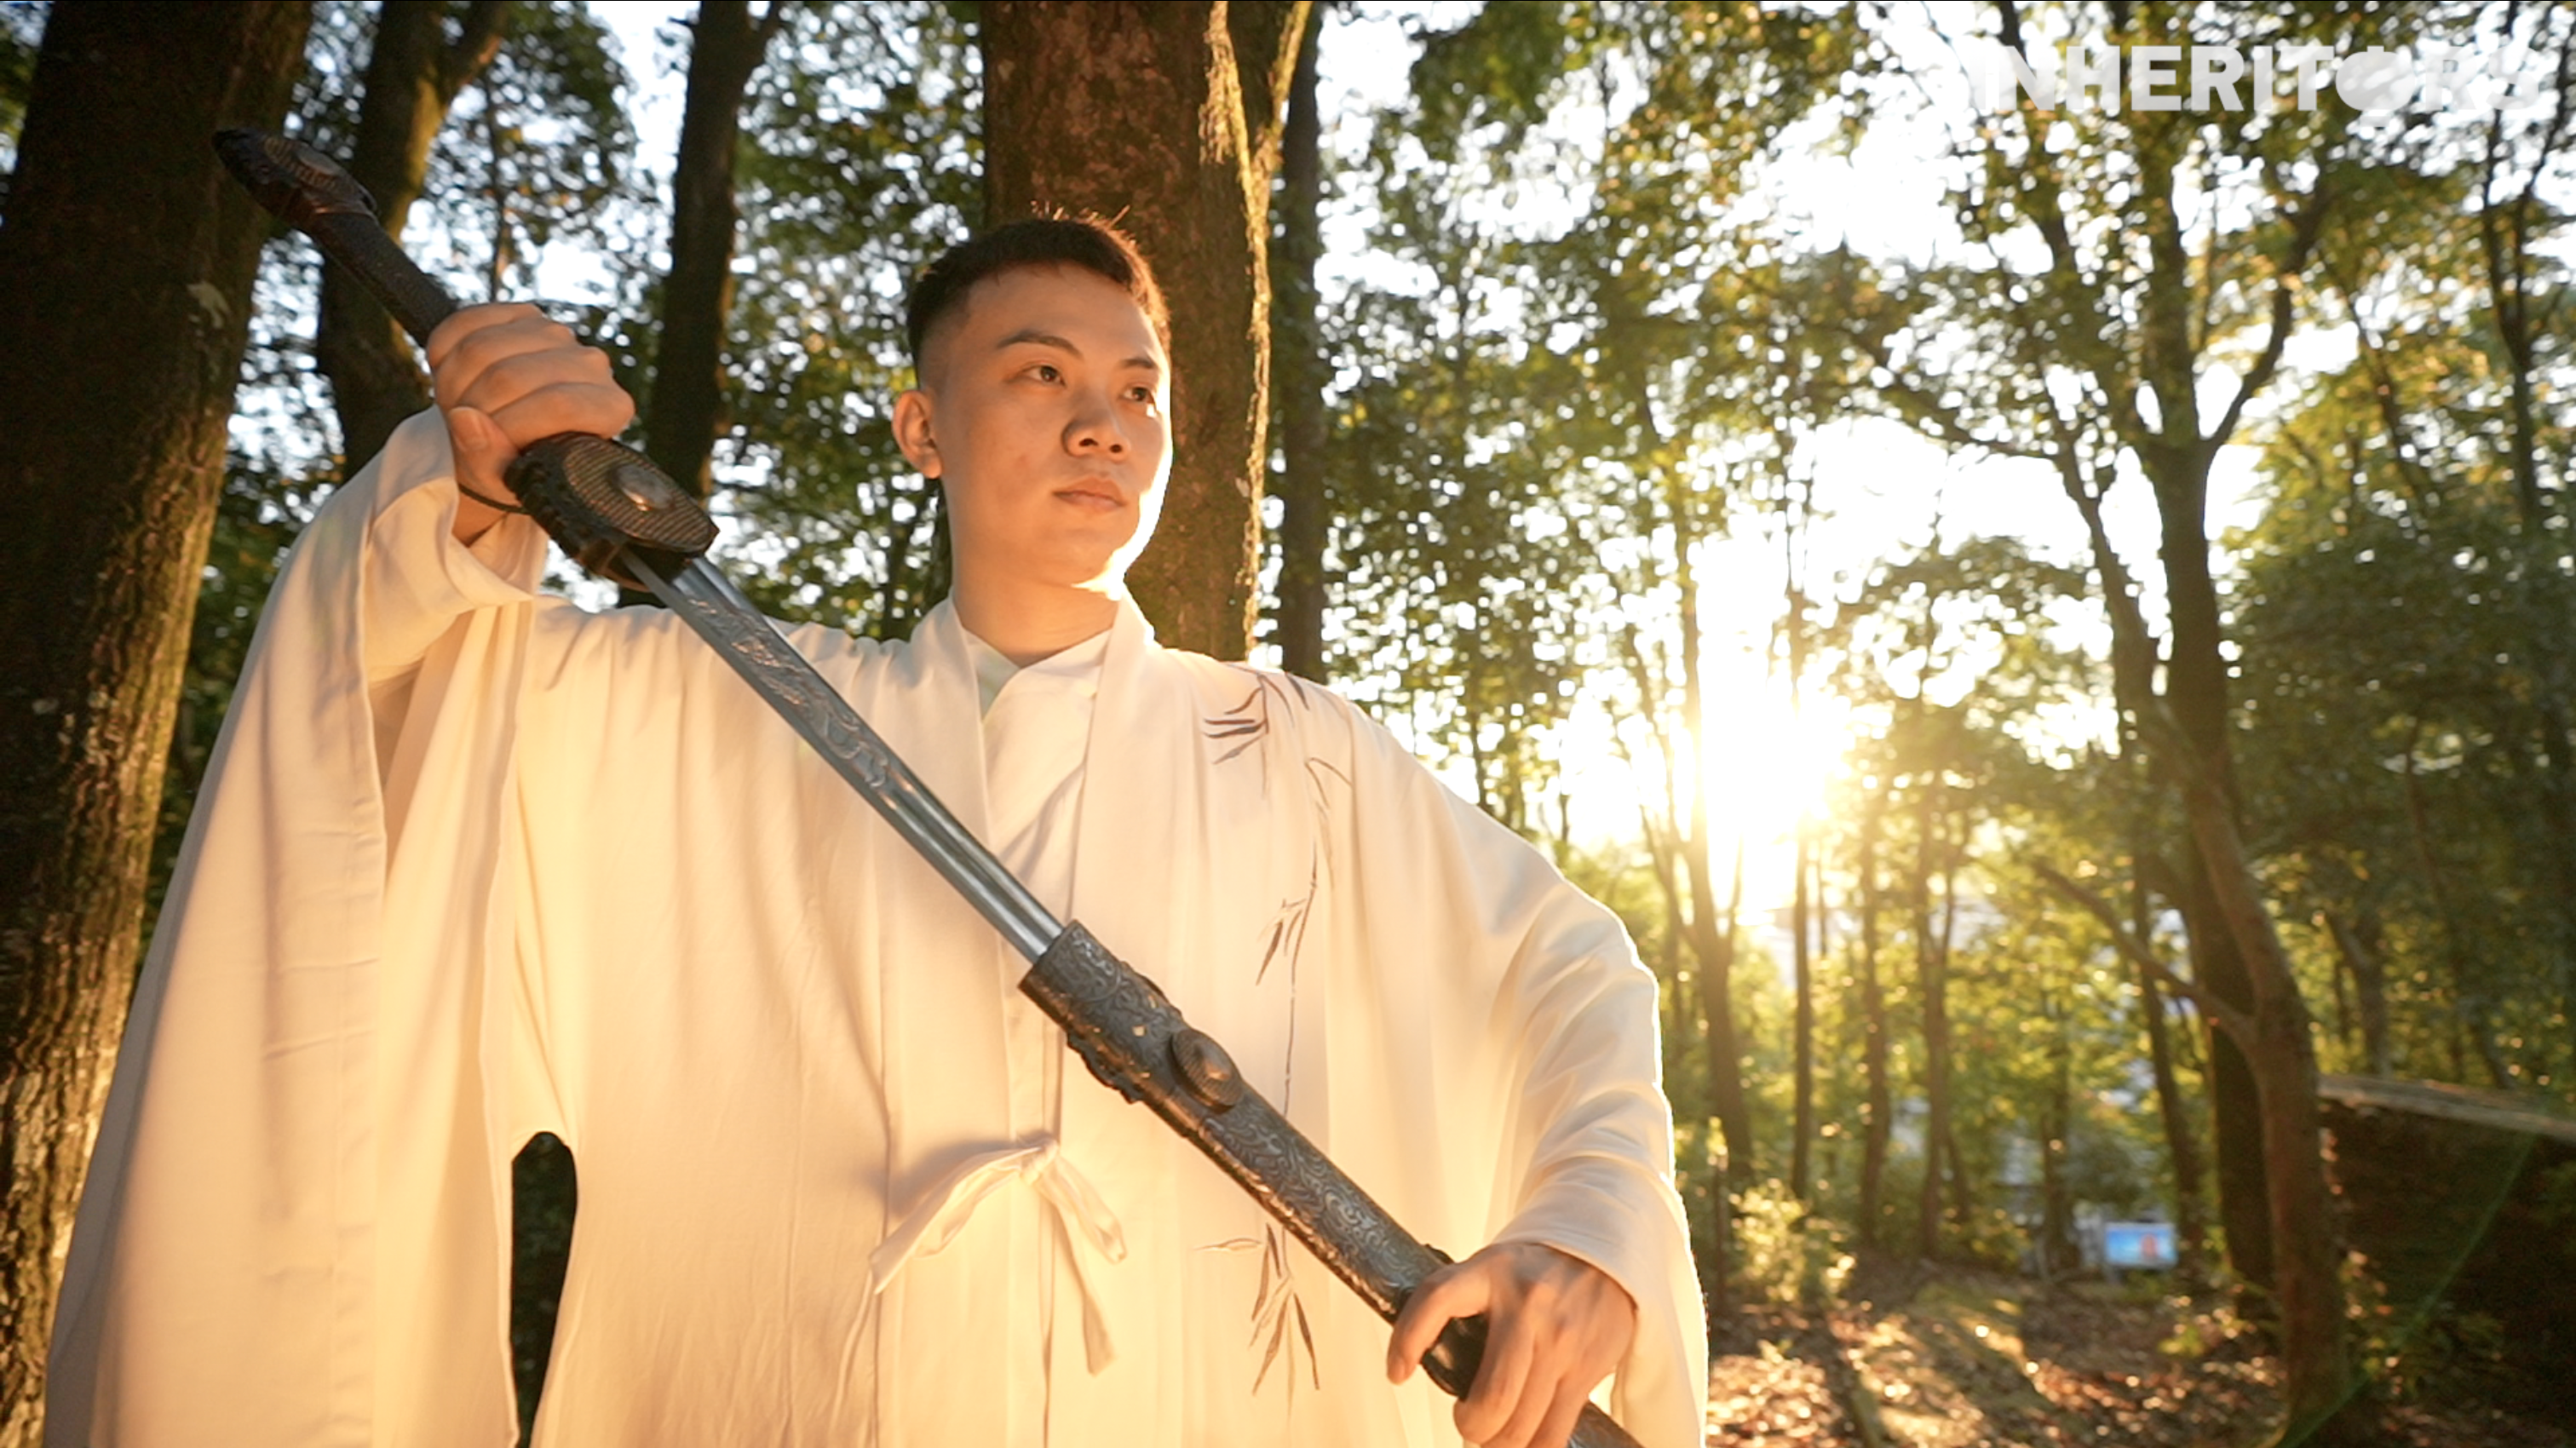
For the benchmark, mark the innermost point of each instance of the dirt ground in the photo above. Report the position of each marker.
(1954, 1358)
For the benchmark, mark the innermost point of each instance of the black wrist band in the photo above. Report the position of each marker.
(493, 503)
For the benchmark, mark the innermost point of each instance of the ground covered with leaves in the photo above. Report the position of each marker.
(1955, 1358)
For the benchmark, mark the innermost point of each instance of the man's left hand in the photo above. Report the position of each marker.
(1555, 1327)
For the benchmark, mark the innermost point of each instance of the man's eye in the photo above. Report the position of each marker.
(1143, 395)
(1046, 372)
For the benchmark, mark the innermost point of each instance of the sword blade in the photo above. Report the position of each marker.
(717, 612)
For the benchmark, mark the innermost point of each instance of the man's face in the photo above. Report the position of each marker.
(1044, 408)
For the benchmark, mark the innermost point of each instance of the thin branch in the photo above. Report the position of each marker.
(2236, 1023)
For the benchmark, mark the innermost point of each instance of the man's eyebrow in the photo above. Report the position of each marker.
(1049, 339)
(1043, 339)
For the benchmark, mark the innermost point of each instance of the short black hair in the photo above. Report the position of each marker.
(1037, 241)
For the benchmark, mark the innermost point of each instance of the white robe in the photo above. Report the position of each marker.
(473, 864)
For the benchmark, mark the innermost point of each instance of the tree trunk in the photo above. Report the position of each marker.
(685, 411)
(1931, 979)
(1712, 929)
(2358, 944)
(413, 75)
(2232, 934)
(1803, 1032)
(1726, 1078)
(125, 277)
(2316, 1357)
(1802, 1130)
(1137, 112)
(2191, 1228)
(2468, 1002)
(2057, 1251)
(1873, 1005)
(2197, 695)
(1297, 352)
(1962, 1189)
(2520, 308)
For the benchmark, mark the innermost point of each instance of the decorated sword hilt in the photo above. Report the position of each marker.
(596, 498)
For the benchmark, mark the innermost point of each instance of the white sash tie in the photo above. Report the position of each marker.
(942, 1213)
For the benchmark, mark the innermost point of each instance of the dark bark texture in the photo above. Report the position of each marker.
(1298, 366)
(125, 275)
(2191, 1225)
(413, 75)
(1163, 118)
(685, 413)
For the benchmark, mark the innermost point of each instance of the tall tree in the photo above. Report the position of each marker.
(126, 258)
(2170, 253)
(684, 412)
(1166, 119)
(2405, 597)
(415, 70)
(1802, 1112)
(1877, 1106)
(1298, 367)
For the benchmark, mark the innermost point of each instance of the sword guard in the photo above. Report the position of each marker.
(599, 500)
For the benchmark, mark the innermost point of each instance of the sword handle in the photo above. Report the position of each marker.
(595, 498)
(311, 193)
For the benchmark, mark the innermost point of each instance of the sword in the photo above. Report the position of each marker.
(622, 518)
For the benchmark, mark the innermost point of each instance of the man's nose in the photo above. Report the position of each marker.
(1096, 429)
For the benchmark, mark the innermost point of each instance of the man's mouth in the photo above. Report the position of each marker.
(1093, 492)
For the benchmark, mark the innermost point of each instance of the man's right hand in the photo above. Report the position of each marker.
(505, 377)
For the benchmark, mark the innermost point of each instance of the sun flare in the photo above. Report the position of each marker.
(1764, 767)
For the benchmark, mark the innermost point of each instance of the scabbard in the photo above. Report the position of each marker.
(1137, 1043)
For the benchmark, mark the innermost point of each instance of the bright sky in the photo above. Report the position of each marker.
(1883, 487)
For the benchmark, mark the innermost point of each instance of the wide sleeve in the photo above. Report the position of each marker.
(1525, 1027)
(294, 1230)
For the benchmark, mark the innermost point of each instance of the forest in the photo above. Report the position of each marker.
(2049, 623)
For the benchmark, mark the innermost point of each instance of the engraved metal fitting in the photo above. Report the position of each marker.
(648, 490)
(1206, 1069)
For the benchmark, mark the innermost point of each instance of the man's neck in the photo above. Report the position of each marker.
(1026, 622)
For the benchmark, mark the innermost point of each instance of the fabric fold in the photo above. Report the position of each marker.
(1041, 1166)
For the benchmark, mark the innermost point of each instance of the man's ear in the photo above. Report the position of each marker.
(912, 432)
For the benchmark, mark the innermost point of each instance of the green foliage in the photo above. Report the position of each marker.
(547, 149)
(22, 28)
(2406, 685)
(1787, 1254)
(862, 160)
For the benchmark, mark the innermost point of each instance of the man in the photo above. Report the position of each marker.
(480, 865)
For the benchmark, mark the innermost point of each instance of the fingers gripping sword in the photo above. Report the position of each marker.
(620, 517)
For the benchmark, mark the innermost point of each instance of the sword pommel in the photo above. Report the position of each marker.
(294, 182)
(597, 500)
